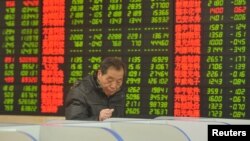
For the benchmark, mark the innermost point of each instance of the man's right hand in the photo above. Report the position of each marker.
(105, 114)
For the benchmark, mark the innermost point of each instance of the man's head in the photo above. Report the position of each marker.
(111, 74)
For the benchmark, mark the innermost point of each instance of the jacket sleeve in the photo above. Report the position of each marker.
(76, 106)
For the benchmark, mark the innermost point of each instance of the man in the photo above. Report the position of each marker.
(100, 96)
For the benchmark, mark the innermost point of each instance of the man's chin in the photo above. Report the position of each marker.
(110, 93)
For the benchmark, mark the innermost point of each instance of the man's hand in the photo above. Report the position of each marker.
(105, 114)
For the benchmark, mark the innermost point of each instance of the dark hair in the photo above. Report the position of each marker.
(115, 62)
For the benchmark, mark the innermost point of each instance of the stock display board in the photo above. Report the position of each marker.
(184, 57)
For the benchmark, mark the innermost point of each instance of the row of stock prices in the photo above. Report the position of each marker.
(185, 58)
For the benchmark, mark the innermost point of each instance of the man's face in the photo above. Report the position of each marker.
(111, 81)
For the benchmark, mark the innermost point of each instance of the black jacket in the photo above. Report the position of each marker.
(86, 99)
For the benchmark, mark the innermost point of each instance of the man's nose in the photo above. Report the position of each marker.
(113, 84)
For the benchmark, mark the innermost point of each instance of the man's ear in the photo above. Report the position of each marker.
(99, 73)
